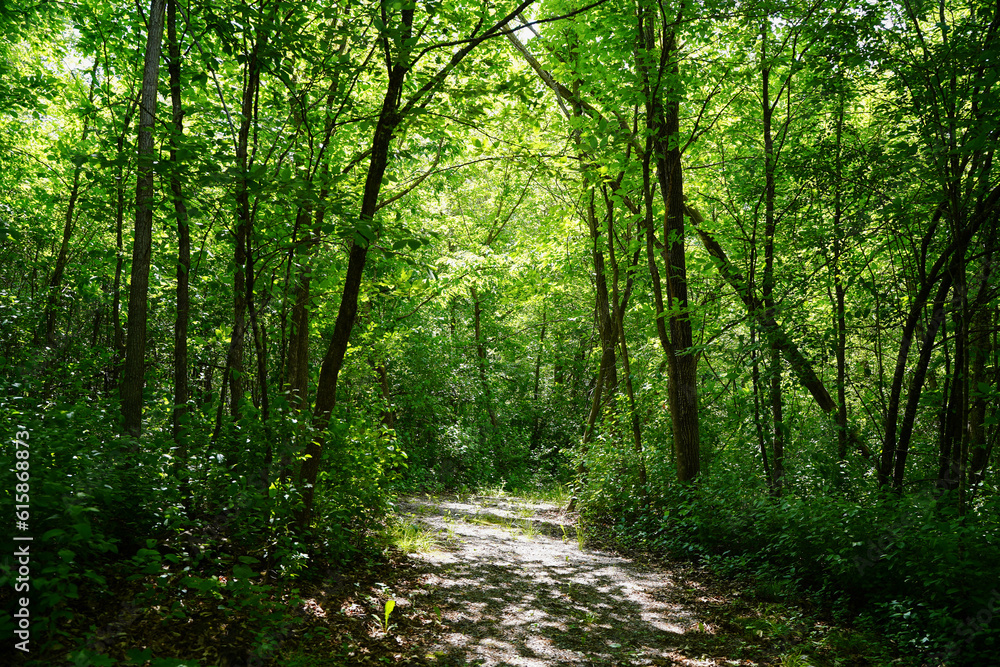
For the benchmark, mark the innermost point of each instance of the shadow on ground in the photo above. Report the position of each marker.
(511, 586)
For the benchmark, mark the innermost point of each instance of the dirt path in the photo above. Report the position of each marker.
(510, 585)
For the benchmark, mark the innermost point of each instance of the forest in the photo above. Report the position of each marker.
(721, 273)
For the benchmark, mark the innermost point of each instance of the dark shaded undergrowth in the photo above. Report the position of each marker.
(916, 569)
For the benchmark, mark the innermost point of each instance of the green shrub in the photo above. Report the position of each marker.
(928, 574)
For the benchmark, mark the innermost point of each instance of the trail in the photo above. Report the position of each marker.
(510, 585)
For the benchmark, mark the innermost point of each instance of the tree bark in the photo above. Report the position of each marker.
(133, 380)
(117, 331)
(605, 325)
(664, 119)
(902, 447)
(757, 422)
(839, 306)
(244, 227)
(183, 242)
(954, 444)
(986, 209)
(982, 349)
(768, 280)
(537, 425)
(297, 357)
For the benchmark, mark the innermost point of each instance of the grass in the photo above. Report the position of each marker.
(527, 528)
(557, 494)
(412, 538)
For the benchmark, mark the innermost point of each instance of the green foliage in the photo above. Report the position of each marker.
(473, 356)
(411, 538)
(913, 564)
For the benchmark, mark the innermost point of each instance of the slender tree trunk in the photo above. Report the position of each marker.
(178, 417)
(260, 353)
(297, 364)
(62, 259)
(536, 428)
(891, 445)
(757, 421)
(244, 225)
(596, 402)
(481, 356)
(326, 389)
(902, 447)
(133, 380)
(605, 325)
(296, 383)
(117, 331)
(954, 443)
(768, 280)
(982, 351)
(649, 225)
(840, 309)
(618, 317)
(538, 358)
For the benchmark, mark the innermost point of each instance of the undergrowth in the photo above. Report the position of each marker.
(916, 567)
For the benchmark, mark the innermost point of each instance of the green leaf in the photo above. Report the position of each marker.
(242, 571)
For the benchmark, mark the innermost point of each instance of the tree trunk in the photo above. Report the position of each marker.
(133, 380)
(605, 325)
(481, 356)
(981, 351)
(757, 420)
(774, 334)
(297, 357)
(937, 272)
(618, 317)
(768, 281)
(682, 359)
(244, 224)
(953, 445)
(55, 282)
(536, 428)
(326, 389)
(117, 331)
(902, 447)
(538, 358)
(183, 242)
(839, 306)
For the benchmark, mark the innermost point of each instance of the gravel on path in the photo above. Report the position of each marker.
(511, 586)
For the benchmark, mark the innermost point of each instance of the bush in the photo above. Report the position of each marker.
(914, 564)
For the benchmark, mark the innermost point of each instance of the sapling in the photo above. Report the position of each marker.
(389, 606)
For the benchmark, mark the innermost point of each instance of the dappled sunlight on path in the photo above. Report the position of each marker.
(513, 587)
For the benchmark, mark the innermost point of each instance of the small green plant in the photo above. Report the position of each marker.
(795, 659)
(556, 494)
(496, 491)
(390, 604)
(412, 538)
